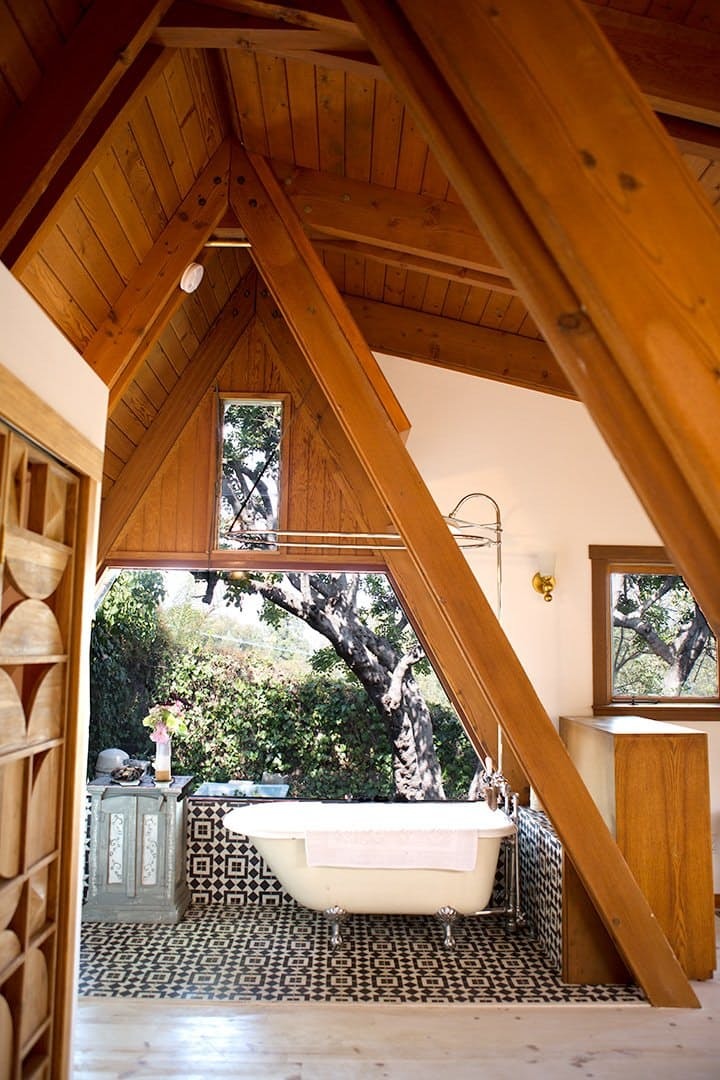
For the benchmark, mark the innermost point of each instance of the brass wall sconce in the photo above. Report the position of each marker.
(544, 584)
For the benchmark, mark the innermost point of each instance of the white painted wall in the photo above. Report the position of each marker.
(559, 490)
(35, 351)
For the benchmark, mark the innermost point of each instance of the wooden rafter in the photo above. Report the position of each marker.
(459, 346)
(596, 204)
(463, 275)
(120, 344)
(676, 66)
(339, 358)
(201, 26)
(386, 218)
(74, 88)
(325, 15)
(590, 367)
(83, 156)
(179, 406)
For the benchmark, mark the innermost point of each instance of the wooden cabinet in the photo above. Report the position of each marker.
(136, 866)
(650, 781)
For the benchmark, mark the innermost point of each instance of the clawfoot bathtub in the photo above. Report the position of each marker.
(424, 858)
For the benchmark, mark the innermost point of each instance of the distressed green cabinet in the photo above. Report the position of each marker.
(136, 860)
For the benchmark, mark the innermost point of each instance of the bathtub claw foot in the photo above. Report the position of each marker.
(335, 915)
(447, 916)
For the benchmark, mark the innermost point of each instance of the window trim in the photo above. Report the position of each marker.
(606, 560)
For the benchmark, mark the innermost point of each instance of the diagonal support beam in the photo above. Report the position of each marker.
(617, 195)
(336, 352)
(77, 83)
(120, 344)
(175, 413)
(403, 571)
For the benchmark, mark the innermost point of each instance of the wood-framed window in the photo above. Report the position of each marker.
(251, 494)
(653, 652)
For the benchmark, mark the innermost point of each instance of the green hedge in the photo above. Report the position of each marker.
(319, 729)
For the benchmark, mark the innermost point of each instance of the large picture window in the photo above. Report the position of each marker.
(249, 497)
(652, 645)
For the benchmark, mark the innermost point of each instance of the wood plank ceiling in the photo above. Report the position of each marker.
(305, 93)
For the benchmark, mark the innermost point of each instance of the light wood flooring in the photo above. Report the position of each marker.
(195, 1040)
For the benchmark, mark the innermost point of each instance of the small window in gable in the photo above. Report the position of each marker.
(249, 497)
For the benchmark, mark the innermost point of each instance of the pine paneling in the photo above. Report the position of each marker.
(174, 515)
(330, 88)
(303, 113)
(360, 104)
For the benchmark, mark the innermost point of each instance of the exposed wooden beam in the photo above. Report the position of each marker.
(119, 345)
(367, 563)
(83, 156)
(677, 67)
(174, 414)
(459, 346)
(619, 197)
(309, 14)
(594, 854)
(386, 218)
(406, 261)
(78, 81)
(189, 25)
(385, 395)
(691, 137)
(339, 357)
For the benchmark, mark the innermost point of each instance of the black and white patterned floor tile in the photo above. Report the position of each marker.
(282, 953)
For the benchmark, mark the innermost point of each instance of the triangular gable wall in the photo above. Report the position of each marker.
(174, 518)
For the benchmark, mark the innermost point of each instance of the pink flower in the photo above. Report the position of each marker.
(160, 734)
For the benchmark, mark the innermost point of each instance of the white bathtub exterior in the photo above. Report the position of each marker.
(278, 831)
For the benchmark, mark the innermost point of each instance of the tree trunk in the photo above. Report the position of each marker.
(328, 606)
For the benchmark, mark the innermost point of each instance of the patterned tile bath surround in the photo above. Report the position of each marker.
(244, 939)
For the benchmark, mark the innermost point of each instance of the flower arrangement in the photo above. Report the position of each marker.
(166, 721)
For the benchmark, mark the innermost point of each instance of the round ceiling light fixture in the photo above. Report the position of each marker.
(191, 277)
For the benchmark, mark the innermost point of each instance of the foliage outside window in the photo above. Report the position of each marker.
(263, 696)
(248, 509)
(651, 642)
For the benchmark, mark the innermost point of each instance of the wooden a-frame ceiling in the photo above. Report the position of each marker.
(419, 156)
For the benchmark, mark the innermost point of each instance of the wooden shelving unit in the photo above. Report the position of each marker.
(38, 525)
(650, 781)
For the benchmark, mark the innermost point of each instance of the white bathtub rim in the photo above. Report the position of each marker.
(294, 819)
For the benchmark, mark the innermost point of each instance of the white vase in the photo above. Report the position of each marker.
(163, 767)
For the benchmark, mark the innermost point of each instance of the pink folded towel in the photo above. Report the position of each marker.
(430, 849)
